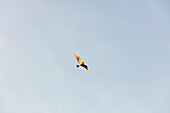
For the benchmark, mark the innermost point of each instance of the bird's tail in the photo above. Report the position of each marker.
(77, 66)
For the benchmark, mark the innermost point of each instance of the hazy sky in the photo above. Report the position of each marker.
(126, 44)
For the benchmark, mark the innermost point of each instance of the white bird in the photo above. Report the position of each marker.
(80, 63)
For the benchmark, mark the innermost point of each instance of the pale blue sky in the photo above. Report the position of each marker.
(126, 44)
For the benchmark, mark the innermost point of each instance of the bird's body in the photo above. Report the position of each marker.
(80, 63)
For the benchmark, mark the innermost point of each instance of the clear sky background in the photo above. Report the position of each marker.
(125, 43)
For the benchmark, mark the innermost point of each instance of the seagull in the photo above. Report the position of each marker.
(80, 63)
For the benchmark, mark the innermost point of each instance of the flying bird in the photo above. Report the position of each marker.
(80, 63)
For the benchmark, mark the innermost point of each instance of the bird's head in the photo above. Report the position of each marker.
(83, 62)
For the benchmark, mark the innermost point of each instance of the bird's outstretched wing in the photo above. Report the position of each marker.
(78, 58)
(85, 66)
